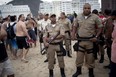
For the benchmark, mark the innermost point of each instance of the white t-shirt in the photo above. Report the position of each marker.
(43, 24)
(14, 27)
(86, 17)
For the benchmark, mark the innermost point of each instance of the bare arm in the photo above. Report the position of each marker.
(100, 26)
(74, 29)
(70, 25)
(3, 33)
(45, 39)
(99, 32)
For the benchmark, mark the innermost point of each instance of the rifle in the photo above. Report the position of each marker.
(42, 51)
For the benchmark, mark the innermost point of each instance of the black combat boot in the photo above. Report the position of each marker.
(62, 72)
(68, 54)
(91, 72)
(51, 73)
(46, 61)
(78, 72)
(102, 59)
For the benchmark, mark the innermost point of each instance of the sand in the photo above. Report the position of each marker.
(37, 68)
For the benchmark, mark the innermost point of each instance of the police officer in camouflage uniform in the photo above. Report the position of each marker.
(51, 31)
(68, 27)
(86, 36)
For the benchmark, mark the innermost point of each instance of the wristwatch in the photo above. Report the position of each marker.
(96, 36)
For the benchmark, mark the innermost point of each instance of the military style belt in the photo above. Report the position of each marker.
(84, 38)
(55, 43)
(67, 31)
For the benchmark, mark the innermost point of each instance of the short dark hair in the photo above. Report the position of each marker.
(107, 11)
(46, 14)
(53, 15)
(20, 16)
(5, 19)
(12, 18)
(100, 12)
(113, 13)
(75, 14)
(63, 13)
(95, 11)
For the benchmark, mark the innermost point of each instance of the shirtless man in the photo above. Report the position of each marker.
(5, 24)
(21, 35)
(5, 64)
(31, 24)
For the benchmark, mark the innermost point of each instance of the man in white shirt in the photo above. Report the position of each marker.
(42, 24)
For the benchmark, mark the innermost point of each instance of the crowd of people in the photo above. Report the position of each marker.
(94, 33)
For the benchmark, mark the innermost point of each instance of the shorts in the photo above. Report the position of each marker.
(8, 42)
(21, 42)
(6, 68)
(35, 30)
(14, 44)
(32, 34)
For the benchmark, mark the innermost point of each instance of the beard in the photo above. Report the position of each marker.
(86, 13)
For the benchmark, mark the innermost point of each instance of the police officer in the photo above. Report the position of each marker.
(51, 31)
(67, 25)
(85, 23)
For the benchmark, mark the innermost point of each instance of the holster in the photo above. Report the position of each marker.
(95, 49)
(76, 46)
(62, 49)
(68, 32)
(40, 37)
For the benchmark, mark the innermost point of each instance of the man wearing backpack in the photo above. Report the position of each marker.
(11, 36)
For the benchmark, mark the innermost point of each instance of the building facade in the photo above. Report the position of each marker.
(56, 7)
(14, 10)
(67, 6)
(46, 7)
(94, 4)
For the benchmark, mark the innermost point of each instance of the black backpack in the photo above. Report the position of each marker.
(10, 31)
